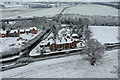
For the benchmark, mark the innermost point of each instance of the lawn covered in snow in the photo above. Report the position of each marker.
(68, 67)
(105, 34)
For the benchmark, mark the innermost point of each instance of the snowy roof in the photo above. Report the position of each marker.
(11, 22)
(1, 29)
(51, 41)
(49, 19)
(69, 40)
(75, 35)
(44, 42)
(63, 41)
(75, 39)
(22, 30)
(68, 35)
(3, 32)
(33, 28)
(58, 41)
(13, 31)
(64, 25)
(27, 29)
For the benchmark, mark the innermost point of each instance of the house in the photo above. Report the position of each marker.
(27, 31)
(3, 33)
(22, 31)
(66, 42)
(14, 33)
(63, 44)
(44, 46)
(33, 30)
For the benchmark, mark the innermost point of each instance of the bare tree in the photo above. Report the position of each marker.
(93, 48)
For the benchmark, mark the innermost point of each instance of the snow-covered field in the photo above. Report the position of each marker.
(6, 42)
(67, 67)
(93, 9)
(105, 34)
(32, 12)
(84, 9)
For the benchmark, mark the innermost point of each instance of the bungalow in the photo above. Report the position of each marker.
(62, 44)
(14, 33)
(33, 30)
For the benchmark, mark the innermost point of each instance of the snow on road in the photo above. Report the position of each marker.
(67, 67)
(105, 34)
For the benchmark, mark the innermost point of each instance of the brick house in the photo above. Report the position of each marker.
(52, 47)
(33, 30)
(60, 43)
